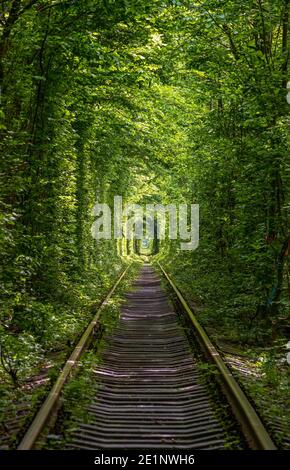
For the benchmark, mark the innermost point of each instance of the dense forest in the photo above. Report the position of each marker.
(160, 101)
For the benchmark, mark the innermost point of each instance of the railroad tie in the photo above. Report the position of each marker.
(149, 390)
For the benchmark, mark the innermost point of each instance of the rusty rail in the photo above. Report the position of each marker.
(252, 426)
(50, 404)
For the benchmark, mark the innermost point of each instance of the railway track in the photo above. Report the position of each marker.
(149, 387)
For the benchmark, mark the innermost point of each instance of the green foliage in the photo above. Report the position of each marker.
(156, 101)
(238, 168)
(19, 356)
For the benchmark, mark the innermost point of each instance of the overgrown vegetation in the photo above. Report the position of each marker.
(159, 101)
(238, 169)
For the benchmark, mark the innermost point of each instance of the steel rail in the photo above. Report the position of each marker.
(149, 391)
(254, 430)
(50, 404)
